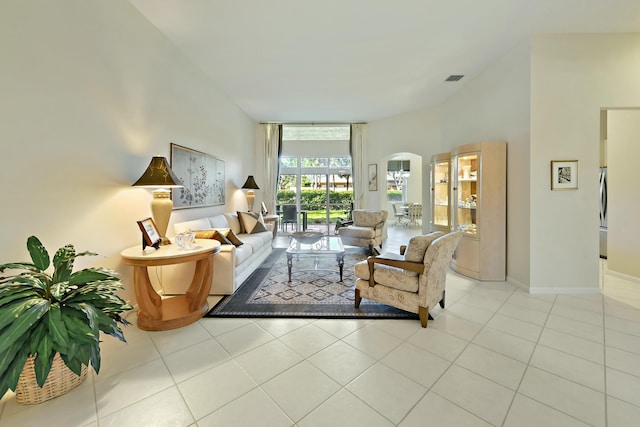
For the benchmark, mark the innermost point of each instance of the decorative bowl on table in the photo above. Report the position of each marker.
(307, 237)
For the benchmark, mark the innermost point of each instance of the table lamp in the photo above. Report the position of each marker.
(160, 178)
(250, 184)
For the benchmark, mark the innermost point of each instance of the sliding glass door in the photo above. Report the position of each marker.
(315, 176)
(319, 187)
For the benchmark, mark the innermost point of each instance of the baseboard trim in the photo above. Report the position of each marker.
(518, 284)
(622, 276)
(564, 291)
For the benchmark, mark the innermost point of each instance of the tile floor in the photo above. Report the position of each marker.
(496, 356)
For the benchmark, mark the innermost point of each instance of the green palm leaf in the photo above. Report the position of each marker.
(42, 365)
(22, 323)
(38, 253)
(14, 310)
(63, 263)
(89, 275)
(19, 266)
(13, 293)
(10, 376)
(56, 327)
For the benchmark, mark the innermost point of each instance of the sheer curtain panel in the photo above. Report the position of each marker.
(357, 148)
(272, 149)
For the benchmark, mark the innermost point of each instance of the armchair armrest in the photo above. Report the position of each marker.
(341, 222)
(392, 260)
(379, 225)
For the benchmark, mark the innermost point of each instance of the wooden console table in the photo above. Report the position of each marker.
(159, 314)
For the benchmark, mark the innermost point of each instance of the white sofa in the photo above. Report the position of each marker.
(232, 265)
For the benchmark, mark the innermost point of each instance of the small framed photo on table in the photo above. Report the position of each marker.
(564, 174)
(150, 235)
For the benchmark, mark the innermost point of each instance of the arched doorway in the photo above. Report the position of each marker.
(403, 195)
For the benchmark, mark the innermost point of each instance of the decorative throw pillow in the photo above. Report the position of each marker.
(251, 222)
(234, 222)
(213, 234)
(231, 236)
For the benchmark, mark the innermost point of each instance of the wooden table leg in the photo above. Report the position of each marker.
(149, 302)
(200, 284)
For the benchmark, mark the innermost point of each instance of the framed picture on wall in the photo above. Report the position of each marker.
(202, 175)
(373, 177)
(564, 174)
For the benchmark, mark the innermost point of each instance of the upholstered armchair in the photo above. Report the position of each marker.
(413, 281)
(366, 229)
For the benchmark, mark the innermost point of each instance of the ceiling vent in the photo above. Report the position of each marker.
(454, 77)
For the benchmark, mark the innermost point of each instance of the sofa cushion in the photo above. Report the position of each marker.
(196, 224)
(257, 240)
(243, 253)
(219, 221)
(234, 222)
(251, 222)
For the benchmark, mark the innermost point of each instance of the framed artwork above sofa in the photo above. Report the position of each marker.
(202, 175)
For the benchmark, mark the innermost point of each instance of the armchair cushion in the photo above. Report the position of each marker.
(396, 278)
(369, 218)
(359, 232)
(418, 246)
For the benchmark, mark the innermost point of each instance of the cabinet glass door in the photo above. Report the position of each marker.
(440, 188)
(467, 193)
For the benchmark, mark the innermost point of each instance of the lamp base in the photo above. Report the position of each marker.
(251, 197)
(161, 207)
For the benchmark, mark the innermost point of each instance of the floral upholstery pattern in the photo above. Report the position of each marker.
(366, 230)
(418, 245)
(399, 285)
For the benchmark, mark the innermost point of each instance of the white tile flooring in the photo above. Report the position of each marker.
(495, 356)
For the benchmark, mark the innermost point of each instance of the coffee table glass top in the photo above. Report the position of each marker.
(326, 245)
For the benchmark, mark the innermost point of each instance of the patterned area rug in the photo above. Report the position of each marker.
(315, 290)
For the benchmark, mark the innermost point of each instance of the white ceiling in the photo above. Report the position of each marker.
(360, 60)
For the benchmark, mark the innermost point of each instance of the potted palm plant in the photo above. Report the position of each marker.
(50, 323)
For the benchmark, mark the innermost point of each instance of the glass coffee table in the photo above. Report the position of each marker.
(303, 244)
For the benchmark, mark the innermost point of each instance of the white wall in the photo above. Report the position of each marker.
(623, 146)
(90, 92)
(417, 132)
(573, 77)
(494, 106)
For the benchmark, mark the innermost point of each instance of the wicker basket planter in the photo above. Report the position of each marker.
(60, 380)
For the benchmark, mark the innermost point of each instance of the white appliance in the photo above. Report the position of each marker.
(603, 213)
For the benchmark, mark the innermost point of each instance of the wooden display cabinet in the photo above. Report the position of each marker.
(480, 209)
(440, 190)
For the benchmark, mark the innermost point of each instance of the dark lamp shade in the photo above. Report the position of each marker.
(158, 175)
(250, 184)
